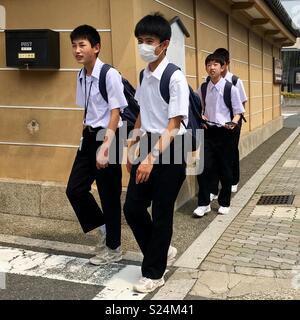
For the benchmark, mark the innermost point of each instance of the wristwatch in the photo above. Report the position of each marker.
(155, 153)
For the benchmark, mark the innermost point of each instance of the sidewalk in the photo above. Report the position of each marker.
(254, 252)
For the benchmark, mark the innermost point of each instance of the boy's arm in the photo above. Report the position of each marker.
(102, 158)
(237, 106)
(146, 166)
(116, 102)
(242, 92)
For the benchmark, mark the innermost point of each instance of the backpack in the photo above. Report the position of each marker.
(131, 112)
(226, 96)
(195, 121)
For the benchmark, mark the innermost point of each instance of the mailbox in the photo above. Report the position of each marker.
(32, 48)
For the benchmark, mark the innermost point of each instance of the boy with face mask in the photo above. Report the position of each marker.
(152, 182)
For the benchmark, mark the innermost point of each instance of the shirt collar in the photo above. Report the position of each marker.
(158, 71)
(228, 76)
(219, 85)
(96, 70)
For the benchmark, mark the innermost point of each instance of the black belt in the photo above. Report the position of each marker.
(93, 130)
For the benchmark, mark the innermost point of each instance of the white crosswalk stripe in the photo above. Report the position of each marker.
(116, 278)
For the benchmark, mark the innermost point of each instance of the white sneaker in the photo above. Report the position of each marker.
(146, 285)
(234, 188)
(213, 197)
(171, 254)
(106, 257)
(201, 211)
(224, 210)
(100, 248)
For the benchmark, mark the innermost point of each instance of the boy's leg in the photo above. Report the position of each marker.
(78, 190)
(167, 181)
(109, 185)
(138, 200)
(209, 170)
(214, 184)
(236, 156)
(224, 155)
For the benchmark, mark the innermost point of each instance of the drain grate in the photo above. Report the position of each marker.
(279, 199)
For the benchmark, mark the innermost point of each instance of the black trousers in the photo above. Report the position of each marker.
(109, 185)
(218, 154)
(235, 163)
(153, 233)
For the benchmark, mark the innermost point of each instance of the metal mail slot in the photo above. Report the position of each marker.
(32, 49)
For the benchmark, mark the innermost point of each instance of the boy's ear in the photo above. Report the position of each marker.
(166, 43)
(97, 48)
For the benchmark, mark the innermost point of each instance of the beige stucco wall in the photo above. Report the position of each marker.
(49, 96)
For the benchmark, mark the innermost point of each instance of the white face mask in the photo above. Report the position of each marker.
(147, 52)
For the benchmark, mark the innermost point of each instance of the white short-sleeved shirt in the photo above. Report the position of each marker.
(99, 111)
(239, 85)
(215, 107)
(155, 112)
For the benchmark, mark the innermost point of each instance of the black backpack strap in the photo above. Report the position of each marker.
(234, 80)
(102, 81)
(79, 74)
(141, 76)
(207, 79)
(165, 81)
(203, 93)
(227, 97)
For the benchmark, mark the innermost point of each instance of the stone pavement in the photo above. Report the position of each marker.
(254, 252)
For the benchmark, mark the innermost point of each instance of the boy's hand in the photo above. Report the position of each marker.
(128, 165)
(230, 125)
(102, 157)
(203, 122)
(144, 170)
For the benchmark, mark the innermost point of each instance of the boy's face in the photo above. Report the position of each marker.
(83, 52)
(155, 42)
(214, 69)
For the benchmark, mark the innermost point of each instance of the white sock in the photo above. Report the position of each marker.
(103, 230)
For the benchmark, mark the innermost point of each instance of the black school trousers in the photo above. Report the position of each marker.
(235, 162)
(219, 146)
(153, 232)
(109, 185)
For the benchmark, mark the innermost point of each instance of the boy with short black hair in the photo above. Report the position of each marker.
(151, 180)
(238, 83)
(218, 136)
(92, 160)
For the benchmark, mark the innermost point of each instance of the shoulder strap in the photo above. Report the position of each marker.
(141, 76)
(102, 81)
(203, 93)
(234, 80)
(165, 81)
(227, 97)
(207, 79)
(79, 74)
